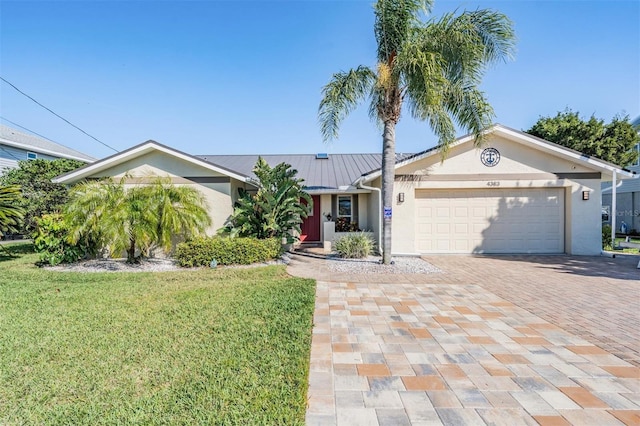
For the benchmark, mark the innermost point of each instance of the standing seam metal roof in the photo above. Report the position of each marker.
(332, 173)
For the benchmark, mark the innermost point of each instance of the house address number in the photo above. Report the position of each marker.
(493, 183)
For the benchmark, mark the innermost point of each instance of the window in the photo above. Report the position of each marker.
(344, 206)
(638, 159)
(31, 155)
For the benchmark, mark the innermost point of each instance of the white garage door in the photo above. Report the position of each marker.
(490, 221)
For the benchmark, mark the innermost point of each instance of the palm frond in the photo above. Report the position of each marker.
(11, 214)
(393, 23)
(469, 42)
(341, 96)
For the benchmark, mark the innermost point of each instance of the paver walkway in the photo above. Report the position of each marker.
(455, 353)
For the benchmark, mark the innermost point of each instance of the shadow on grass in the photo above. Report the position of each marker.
(11, 251)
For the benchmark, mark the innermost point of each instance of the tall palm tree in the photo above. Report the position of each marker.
(135, 218)
(433, 67)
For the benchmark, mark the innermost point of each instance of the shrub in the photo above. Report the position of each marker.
(355, 246)
(227, 251)
(343, 225)
(607, 243)
(51, 240)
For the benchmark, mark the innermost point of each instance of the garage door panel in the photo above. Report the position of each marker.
(490, 221)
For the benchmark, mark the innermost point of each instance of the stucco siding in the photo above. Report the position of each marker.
(520, 168)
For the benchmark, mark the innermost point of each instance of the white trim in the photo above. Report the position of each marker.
(138, 151)
(525, 139)
(28, 147)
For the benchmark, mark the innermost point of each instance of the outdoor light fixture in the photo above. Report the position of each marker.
(401, 197)
(585, 195)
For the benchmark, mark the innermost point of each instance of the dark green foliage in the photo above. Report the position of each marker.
(11, 213)
(613, 142)
(275, 210)
(39, 195)
(343, 225)
(51, 240)
(355, 246)
(606, 237)
(227, 251)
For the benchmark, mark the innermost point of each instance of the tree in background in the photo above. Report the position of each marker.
(433, 68)
(135, 219)
(11, 214)
(276, 209)
(39, 195)
(613, 142)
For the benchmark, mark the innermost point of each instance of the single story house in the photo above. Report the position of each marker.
(16, 146)
(515, 194)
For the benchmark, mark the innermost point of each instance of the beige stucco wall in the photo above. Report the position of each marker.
(520, 166)
(218, 195)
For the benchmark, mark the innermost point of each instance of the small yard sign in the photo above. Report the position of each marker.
(387, 212)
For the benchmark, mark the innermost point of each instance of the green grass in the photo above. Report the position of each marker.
(628, 250)
(188, 347)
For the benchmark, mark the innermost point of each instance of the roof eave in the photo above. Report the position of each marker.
(522, 137)
(39, 150)
(134, 152)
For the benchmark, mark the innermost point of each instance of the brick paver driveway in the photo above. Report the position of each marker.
(502, 340)
(597, 298)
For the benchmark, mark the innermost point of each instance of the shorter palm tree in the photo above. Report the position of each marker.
(137, 218)
(11, 214)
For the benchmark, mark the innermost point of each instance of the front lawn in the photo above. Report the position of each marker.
(188, 347)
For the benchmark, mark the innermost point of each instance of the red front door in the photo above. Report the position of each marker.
(311, 225)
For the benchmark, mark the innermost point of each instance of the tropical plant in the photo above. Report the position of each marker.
(275, 210)
(354, 246)
(433, 67)
(39, 195)
(11, 214)
(51, 240)
(136, 218)
(607, 241)
(613, 142)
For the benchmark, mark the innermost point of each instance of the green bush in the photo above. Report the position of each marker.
(51, 240)
(227, 251)
(607, 243)
(355, 246)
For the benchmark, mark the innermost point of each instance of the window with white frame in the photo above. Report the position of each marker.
(31, 155)
(345, 206)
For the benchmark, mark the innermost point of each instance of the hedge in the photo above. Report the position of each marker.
(227, 251)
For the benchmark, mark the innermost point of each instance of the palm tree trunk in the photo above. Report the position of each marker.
(388, 177)
(131, 251)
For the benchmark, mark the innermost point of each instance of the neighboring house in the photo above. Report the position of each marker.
(627, 197)
(16, 146)
(516, 194)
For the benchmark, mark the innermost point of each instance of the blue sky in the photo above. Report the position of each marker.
(237, 77)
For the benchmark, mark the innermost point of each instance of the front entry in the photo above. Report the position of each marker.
(311, 225)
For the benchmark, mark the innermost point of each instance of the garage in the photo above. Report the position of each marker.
(513, 220)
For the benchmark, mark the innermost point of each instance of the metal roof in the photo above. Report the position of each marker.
(15, 138)
(339, 170)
